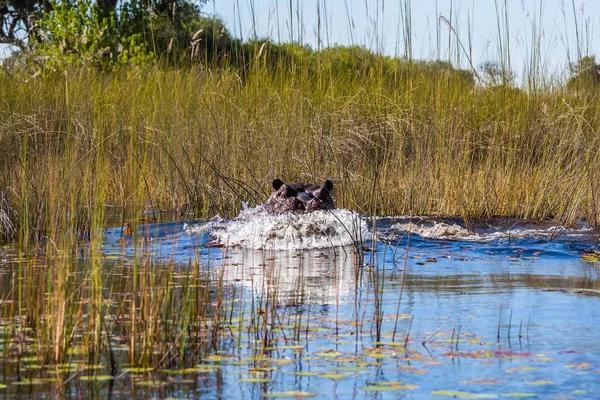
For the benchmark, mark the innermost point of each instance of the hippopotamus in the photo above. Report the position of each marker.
(299, 196)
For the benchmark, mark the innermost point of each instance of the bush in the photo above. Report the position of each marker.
(76, 34)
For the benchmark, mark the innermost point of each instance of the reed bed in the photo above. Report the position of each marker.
(200, 140)
(65, 314)
(399, 137)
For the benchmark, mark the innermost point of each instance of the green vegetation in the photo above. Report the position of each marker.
(396, 136)
(102, 35)
(168, 111)
(165, 109)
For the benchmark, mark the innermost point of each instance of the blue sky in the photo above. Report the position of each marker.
(468, 27)
(464, 29)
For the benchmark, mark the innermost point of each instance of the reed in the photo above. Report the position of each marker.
(397, 136)
(203, 141)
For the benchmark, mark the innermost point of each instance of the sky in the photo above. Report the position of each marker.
(467, 33)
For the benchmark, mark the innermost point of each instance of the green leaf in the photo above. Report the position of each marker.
(331, 354)
(138, 370)
(306, 373)
(151, 383)
(388, 387)
(335, 377)
(540, 382)
(256, 380)
(99, 378)
(351, 369)
(288, 395)
(462, 395)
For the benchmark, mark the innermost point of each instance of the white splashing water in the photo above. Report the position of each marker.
(436, 230)
(254, 228)
(441, 230)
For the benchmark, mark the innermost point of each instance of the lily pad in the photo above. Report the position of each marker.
(26, 382)
(462, 395)
(307, 373)
(138, 370)
(255, 380)
(232, 362)
(331, 354)
(351, 369)
(592, 258)
(151, 383)
(289, 395)
(540, 382)
(98, 378)
(388, 386)
(522, 368)
(335, 377)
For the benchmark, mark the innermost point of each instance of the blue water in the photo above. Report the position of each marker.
(526, 312)
(496, 316)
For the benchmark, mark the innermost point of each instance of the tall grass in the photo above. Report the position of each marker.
(395, 136)
(202, 141)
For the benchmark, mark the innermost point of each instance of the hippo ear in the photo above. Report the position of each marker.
(328, 185)
(290, 192)
(322, 194)
(277, 183)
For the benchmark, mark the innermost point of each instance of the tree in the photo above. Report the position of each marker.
(77, 33)
(107, 33)
(585, 74)
(17, 20)
(495, 74)
(160, 24)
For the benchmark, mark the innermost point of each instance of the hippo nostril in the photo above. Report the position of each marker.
(299, 205)
(290, 192)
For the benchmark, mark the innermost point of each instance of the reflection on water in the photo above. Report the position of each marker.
(507, 314)
(316, 276)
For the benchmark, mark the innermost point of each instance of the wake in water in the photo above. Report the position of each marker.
(255, 228)
(431, 228)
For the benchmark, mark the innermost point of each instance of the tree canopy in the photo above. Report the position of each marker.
(585, 75)
(107, 32)
(17, 20)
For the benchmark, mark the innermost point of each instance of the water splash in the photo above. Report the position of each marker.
(434, 230)
(485, 230)
(201, 228)
(254, 228)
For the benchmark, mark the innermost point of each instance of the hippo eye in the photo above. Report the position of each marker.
(290, 192)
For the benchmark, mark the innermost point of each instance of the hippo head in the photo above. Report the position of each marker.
(299, 197)
(284, 199)
(321, 199)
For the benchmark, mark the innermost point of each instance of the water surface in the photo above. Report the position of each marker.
(510, 310)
